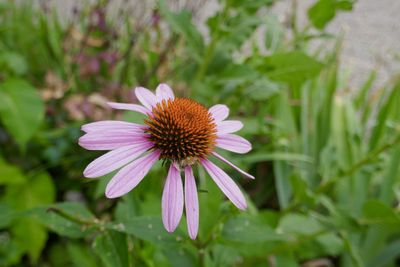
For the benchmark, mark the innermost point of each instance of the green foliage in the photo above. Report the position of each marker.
(323, 11)
(21, 109)
(293, 68)
(326, 153)
(112, 249)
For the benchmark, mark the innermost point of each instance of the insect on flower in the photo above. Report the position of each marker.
(178, 131)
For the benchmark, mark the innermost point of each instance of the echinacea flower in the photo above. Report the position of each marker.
(179, 131)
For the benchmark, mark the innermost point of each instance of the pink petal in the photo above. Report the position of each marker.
(131, 175)
(218, 156)
(192, 203)
(234, 143)
(146, 97)
(219, 112)
(110, 140)
(113, 126)
(225, 127)
(132, 107)
(115, 159)
(163, 91)
(225, 183)
(172, 199)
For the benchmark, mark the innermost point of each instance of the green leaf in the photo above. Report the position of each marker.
(261, 89)
(377, 212)
(323, 11)
(299, 224)
(277, 156)
(13, 62)
(21, 109)
(378, 131)
(210, 196)
(225, 256)
(286, 260)
(10, 174)
(69, 219)
(247, 229)
(274, 33)
(148, 228)
(390, 178)
(180, 257)
(112, 248)
(39, 190)
(387, 255)
(6, 215)
(31, 236)
(80, 255)
(293, 67)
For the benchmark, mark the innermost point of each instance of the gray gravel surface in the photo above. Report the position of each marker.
(371, 31)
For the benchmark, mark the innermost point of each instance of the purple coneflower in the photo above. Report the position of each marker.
(179, 131)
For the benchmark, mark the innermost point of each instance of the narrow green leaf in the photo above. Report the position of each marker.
(387, 255)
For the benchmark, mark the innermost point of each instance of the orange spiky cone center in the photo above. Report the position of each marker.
(182, 129)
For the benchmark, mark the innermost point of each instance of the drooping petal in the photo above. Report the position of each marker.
(234, 143)
(163, 91)
(132, 107)
(191, 203)
(110, 140)
(113, 126)
(146, 97)
(131, 175)
(225, 127)
(218, 156)
(115, 159)
(172, 199)
(219, 112)
(225, 183)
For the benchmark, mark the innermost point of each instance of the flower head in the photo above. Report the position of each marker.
(178, 131)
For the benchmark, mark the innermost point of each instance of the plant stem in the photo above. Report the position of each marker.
(211, 47)
(369, 158)
(71, 218)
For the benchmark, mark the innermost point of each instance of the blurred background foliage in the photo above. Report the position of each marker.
(326, 156)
